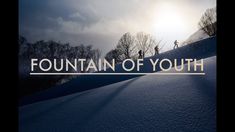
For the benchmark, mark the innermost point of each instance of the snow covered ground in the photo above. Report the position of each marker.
(146, 103)
(198, 35)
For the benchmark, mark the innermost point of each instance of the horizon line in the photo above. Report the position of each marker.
(144, 73)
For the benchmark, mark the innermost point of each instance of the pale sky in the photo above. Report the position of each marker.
(102, 22)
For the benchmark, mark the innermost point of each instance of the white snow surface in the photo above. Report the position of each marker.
(147, 103)
(197, 36)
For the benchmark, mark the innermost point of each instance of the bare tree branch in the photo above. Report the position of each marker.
(208, 22)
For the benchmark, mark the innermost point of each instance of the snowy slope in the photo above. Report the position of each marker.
(200, 49)
(198, 35)
(145, 103)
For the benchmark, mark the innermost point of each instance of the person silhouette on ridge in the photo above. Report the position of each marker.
(176, 44)
(140, 54)
(156, 50)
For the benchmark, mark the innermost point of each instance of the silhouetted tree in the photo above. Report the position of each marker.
(96, 56)
(208, 22)
(51, 50)
(126, 45)
(145, 42)
(114, 54)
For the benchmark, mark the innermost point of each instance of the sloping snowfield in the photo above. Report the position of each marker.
(200, 49)
(162, 103)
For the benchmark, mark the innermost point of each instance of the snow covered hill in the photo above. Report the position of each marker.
(145, 103)
(200, 49)
(198, 35)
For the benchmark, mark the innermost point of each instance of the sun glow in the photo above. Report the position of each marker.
(169, 20)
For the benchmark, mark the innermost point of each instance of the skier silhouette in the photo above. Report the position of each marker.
(156, 50)
(140, 54)
(176, 44)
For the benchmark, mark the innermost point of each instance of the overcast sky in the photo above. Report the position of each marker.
(102, 22)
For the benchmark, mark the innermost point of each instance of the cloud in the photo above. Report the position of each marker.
(97, 22)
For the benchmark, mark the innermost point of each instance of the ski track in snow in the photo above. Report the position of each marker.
(146, 103)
